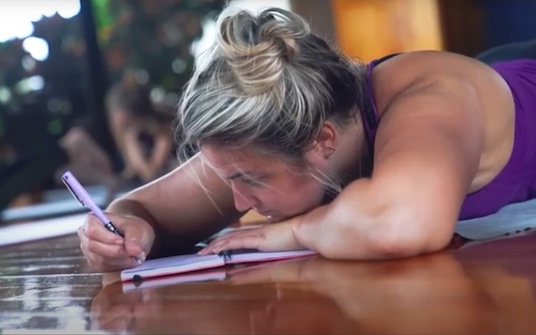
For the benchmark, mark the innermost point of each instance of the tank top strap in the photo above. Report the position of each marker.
(369, 113)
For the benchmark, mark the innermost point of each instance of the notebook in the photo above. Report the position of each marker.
(189, 263)
(217, 274)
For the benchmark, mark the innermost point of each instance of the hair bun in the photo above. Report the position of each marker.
(257, 48)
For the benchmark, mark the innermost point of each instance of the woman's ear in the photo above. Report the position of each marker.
(325, 143)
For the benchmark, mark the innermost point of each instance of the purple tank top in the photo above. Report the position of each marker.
(517, 180)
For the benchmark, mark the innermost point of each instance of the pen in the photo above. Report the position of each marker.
(83, 197)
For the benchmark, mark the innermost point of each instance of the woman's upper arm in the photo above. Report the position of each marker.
(427, 152)
(191, 202)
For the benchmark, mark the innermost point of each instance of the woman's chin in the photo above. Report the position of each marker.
(271, 219)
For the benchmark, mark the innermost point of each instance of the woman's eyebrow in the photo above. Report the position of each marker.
(244, 174)
(239, 174)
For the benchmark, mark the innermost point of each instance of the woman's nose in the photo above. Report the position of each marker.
(243, 201)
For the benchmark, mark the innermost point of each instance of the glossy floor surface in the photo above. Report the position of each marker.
(487, 288)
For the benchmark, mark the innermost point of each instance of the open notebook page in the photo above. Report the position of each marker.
(193, 262)
(218, 274)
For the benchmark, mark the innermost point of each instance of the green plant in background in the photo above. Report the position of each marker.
(153, 39)
(41, 96)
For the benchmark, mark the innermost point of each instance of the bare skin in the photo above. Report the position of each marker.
(88, 161)
(126, 130)
(446, 129)
(137, 164)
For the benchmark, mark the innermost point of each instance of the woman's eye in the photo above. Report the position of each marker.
(251, 182)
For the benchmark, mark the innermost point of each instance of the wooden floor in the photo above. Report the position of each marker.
(46, 287)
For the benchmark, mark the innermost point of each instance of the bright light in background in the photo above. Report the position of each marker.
(16, 17)
(34, 83)
(5, 94)
(28, 63)
(68, 8)
(36, 47)
(14, 29)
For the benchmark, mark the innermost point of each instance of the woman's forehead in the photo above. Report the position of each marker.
(245, 158)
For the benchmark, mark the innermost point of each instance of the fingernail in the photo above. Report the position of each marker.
(142, 257)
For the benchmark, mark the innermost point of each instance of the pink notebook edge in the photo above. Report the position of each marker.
(269, 256)
(172, 270)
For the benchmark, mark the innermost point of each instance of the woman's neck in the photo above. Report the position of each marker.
(352, 156)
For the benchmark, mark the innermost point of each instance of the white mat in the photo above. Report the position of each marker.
(37, 230)
(512, 219)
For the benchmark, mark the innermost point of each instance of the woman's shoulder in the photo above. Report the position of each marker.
(405, 71)
(425, 61)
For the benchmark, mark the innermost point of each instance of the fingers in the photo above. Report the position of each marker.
(106, 251)
(238, 240)
(104, 257)
(134, 249)
(272, 237)
(95, 230)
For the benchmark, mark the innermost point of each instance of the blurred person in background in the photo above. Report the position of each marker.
(141, 133)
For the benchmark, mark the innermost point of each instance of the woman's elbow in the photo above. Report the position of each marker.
(378, 249)
(387, 238)
(401, 238)
(395, 248)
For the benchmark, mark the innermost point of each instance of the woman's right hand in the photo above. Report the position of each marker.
(106, 251)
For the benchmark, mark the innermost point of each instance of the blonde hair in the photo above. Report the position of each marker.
(269, 82)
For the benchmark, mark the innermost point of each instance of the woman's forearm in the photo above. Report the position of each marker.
(337, 237)
(359, 224)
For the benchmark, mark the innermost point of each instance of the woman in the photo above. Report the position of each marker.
(355, 161)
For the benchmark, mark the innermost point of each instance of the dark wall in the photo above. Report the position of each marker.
(507, 21)
(472, 26)
(462, 23)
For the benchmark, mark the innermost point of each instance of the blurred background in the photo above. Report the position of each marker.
(91, 85)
